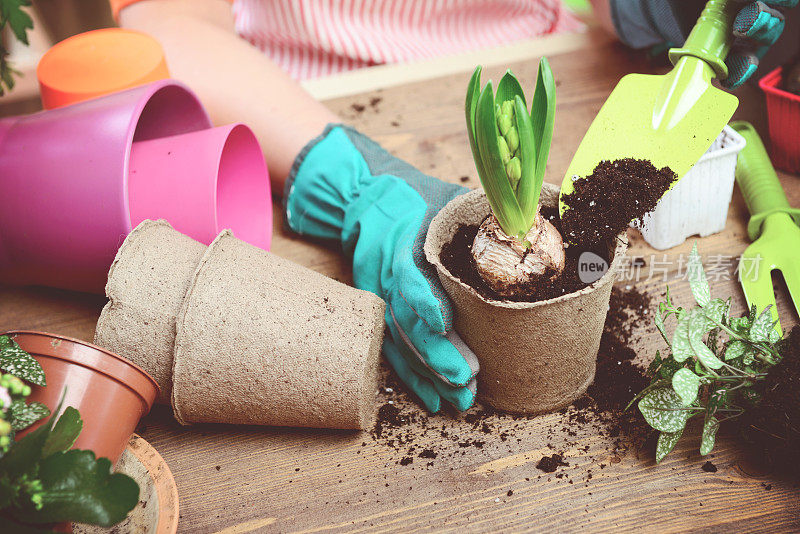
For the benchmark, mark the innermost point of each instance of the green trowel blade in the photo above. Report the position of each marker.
(670, 120)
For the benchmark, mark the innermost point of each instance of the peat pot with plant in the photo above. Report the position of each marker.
(523, 303)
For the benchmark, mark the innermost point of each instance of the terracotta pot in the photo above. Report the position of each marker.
(110, 392)
(535, 357)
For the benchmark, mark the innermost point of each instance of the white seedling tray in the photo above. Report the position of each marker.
(698, 204)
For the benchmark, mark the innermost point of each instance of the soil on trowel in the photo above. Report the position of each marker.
(772, 428)
(457, 257)
(604, 203)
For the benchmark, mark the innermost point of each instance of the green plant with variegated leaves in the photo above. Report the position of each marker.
(42, 481)
(18, 367)
(714, 362)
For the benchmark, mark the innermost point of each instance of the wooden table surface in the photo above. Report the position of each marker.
(235, 479)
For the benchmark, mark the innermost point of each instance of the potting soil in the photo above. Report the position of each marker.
(604, 203)
(457, 258)
(771, 430)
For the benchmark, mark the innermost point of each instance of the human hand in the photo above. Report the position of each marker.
(345, 186)
(757, 26)
(656, 23)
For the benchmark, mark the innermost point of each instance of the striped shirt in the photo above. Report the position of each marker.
(314, 38)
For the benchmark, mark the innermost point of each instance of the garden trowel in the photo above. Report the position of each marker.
(773, 227)
(669, 119)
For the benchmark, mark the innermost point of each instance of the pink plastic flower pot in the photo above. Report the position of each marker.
(783, 113)
(64, 174)
(203, 182)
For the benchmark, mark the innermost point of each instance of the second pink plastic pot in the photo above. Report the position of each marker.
(65, 173)
(203, 182)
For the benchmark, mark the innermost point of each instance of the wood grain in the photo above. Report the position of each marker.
(249, 479)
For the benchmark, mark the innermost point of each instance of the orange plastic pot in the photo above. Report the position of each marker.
(110, 392)
(97, 63)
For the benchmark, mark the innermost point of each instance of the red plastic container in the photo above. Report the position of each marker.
(783, 112)
(110, 392)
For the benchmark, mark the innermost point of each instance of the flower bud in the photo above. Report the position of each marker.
(505, 153)
(514, 172)
(512, 139)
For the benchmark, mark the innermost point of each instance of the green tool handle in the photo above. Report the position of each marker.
(711, 37)
(758, 181)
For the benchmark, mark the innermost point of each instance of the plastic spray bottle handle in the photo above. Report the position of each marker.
(760, 186)
(711, 37)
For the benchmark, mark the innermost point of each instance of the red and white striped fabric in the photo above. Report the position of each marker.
(313, 38)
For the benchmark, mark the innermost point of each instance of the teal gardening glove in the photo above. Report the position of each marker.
(345, 186)
(646, 23)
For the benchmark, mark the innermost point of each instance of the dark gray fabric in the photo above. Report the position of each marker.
(644, 23)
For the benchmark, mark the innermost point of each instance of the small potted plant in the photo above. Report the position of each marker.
(111, 392)
(521, 303)
(722, 368)
(42, 481)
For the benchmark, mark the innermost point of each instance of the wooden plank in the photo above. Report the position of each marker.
(251, 479)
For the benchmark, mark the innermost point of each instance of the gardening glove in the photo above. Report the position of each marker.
(345, 186)
(646, 23)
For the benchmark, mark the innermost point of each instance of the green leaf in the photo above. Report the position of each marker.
(697, 327)
(663, 410)
(659, 321)
(709, 435)
(527, 193)
(65, 432)
(19, 363)
(543, 111)
(681, 347)
(11, 13)
(23, 415)
(716, 310)
(697, 278)
(667, 442)
(774, 333)
(24, 456)
(734, 350)
(686, 384)
(761, 327)
(470, 106)
(78, 487)
(495, 183)
(508, 88)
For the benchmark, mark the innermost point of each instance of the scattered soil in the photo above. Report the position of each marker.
(405, 427)
(772, 429)
(549, 464)
(604, 203)
(708, 467)
(618, 379)
(457, 257)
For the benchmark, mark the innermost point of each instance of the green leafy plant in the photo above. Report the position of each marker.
(19, 22)
(510, 145)
(41, 480)
(713, 364)
(15, 413)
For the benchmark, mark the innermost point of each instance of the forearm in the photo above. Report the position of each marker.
(235, 81)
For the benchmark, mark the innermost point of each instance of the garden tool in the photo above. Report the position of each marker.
(669, 119)
(772, 227)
